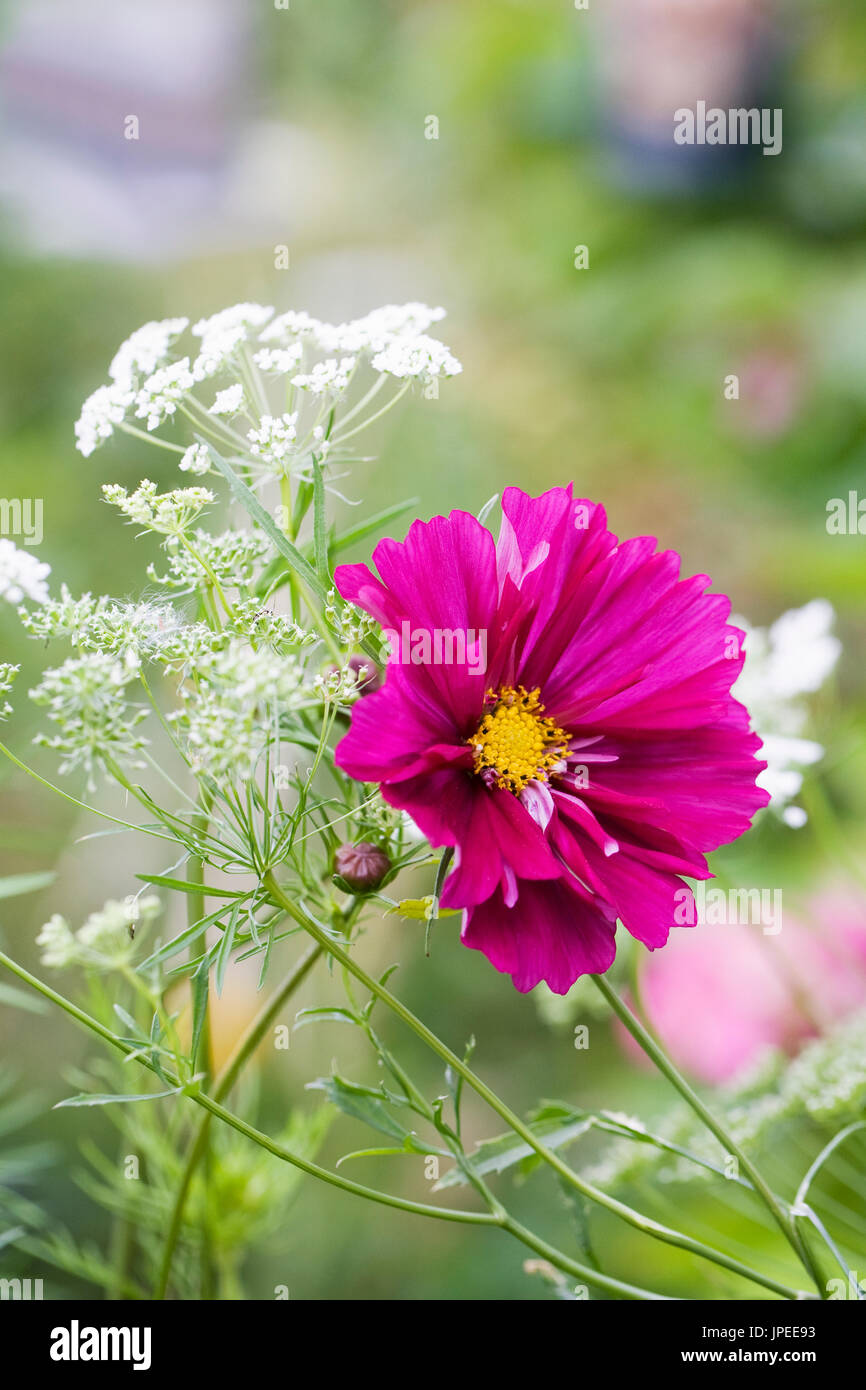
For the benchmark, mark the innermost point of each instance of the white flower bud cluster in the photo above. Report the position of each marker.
(86, 699)
(106, 941)
(169, 513)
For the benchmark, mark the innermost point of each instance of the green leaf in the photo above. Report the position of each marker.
(506, 1150)
(184, 938)
(16, 884)
(265, 522)
(373, 523)
(88, 1098)
(305, 1016)
(320, 525)
(200, 990)
(224, 954)
(130, 1023)
(182, 885)
(361, 1103)
(420, 909)
(410, 1146)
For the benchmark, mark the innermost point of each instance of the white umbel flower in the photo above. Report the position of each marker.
(790, 660)
(278, 359)
(330, 376)
(105, 408)
(295, 323)
(161, 392)
(196, 460)
(144, 350)
(420, 358)
(170, 513)
(223, 333)
(274, 439)
(22, 575)
(229, 401)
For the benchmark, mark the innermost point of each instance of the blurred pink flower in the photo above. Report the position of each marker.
(719, 996)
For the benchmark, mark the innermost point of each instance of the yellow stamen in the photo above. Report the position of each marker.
(515, 741)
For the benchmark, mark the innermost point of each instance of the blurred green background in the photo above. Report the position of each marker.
(306, 128)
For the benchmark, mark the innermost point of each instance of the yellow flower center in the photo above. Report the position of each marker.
(514, 742)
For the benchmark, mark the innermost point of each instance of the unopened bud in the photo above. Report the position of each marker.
(361, 867)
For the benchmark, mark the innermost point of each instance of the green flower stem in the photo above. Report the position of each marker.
(82, 805)
(151, 438)
(339, 439)
(647, 1042)
(634, 1218)
(243, 1050)
(473, 1218)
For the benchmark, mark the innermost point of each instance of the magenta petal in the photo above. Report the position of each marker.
(549, 934)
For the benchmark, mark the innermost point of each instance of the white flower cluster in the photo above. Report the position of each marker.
(86, 700)
(274, 438)
(231, 713)
(342, 685)
(331, 377)
(350, 625)
(275, 630)
(105, 941)
(105, 408)
(160, 394)
(134, 380)
(224, 333)
(196, 460)
(785, 663)
(231, 558)
(228, 402)
(279, 360)
(169, 513)
(422, 359)
(393, 340)
(144, 350)
(130, 632)
(21, 574)
(7, 676)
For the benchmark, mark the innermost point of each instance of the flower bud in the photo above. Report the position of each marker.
(361, 867)
(368, 675)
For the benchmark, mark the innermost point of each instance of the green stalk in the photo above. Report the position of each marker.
(473, 1218)
(634, 1218)
(243, 1050)
(647, 1042)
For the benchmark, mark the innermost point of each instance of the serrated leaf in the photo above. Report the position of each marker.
(506, 1150)
(361, 1103)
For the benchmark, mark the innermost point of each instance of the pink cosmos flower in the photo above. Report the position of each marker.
(594, 755)
(721, 996)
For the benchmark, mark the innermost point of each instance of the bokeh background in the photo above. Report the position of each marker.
(308, 127)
